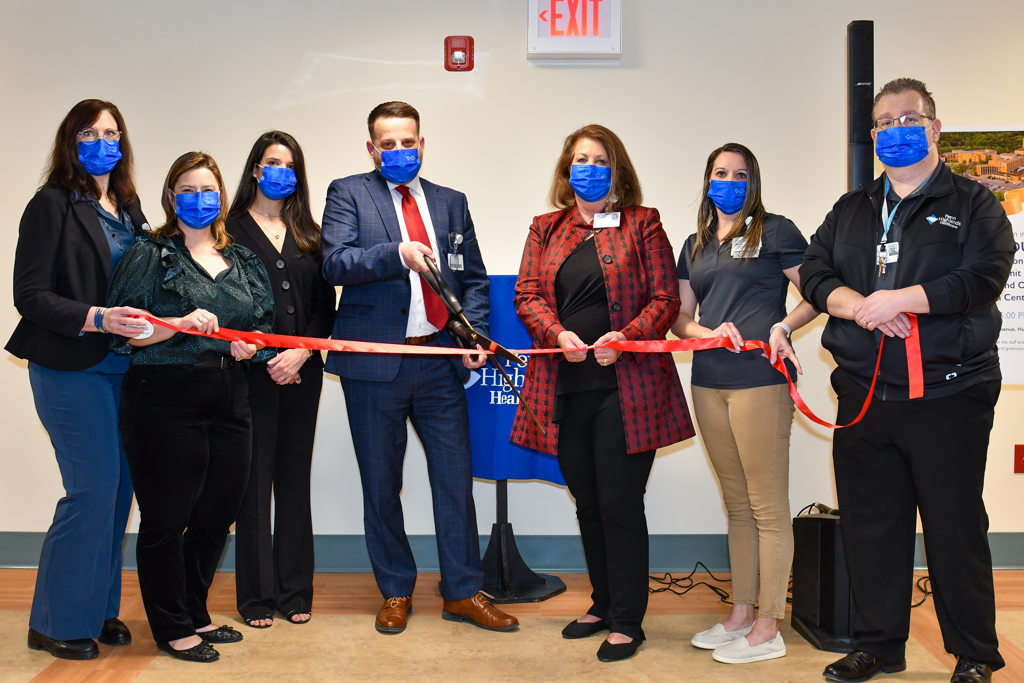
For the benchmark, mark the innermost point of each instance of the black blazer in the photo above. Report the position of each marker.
(303, 301)
(61, 269)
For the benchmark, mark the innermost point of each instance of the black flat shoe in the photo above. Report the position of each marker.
(860, 666)
(971, 671)
(582, 629)
(202, 652)
(79, 648)
(220, 635)
(114, 632)
(614, 653)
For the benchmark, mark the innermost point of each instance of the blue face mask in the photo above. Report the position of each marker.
(901, 146)
(277, 182)
(590, 183)
(400, 165)
(197, 209)
(728, 195)
(99, 157)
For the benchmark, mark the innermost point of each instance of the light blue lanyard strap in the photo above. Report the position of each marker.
(886, 216)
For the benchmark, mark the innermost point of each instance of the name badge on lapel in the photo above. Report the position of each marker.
(454, 257)
(606, 220)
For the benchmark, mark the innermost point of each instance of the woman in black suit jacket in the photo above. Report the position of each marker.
(271, 216)
(72, 234)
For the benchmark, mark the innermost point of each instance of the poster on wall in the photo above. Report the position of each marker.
(995, 158)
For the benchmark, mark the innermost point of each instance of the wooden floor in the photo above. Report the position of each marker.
(357, 594)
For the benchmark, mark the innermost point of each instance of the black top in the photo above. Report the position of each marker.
(957, 244)
(61, 269)
(303, 301)
(748, 292)
(162, 277)
(583, 308)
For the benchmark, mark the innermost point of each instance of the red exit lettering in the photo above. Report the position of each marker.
(581, 18)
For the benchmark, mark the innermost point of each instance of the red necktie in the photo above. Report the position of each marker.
(437, 312)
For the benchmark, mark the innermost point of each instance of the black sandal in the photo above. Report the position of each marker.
(291, 613)
(250, 621)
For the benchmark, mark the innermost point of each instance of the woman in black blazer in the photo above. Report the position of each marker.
(72, 234)
(271, 216)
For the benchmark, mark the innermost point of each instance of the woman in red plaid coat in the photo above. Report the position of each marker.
(598, 269)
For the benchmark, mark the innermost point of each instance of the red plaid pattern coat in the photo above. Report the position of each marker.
(643, 302)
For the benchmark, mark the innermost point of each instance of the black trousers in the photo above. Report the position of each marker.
(187, 440)
(905, 457)
(274, 564)
(608, 485)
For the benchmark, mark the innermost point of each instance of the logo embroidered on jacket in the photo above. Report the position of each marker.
(947, 220)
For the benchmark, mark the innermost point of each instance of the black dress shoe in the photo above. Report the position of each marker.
(583, 629)
(613, 653)
(970, 670)
(114, 632)
(79, 648)
(860, 666)
(220, 635)
(202, 652)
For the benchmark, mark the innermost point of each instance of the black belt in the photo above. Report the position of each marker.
(222, 363)
(420, 341)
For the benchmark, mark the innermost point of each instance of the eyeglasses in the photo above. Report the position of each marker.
(90, 135)
(912, 119)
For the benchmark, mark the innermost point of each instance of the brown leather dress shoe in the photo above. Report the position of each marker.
(394, 614)
(477, 611)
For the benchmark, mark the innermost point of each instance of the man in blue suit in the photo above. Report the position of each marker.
(377, 229)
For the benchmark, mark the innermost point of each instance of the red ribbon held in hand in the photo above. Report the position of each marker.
(913, 345)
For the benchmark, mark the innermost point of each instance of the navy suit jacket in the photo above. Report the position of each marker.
(359, 240)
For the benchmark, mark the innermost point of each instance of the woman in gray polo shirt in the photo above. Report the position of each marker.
(737, 268)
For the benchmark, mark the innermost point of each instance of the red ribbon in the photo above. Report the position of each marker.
(915, 372)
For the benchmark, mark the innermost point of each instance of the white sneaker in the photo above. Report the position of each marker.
(717, 635)
(740, 651)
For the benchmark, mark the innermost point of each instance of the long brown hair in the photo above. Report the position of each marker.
(182, 165)
(752, 206)
(295, 212)
(625, 190)
(66, 171)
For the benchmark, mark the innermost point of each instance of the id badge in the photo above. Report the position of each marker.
(606, 220)
(455, 261)
(888, 252)
(739, 245)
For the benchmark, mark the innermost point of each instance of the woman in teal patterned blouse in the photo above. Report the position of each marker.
(185, 414)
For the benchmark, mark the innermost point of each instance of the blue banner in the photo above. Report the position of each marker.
(492, 405)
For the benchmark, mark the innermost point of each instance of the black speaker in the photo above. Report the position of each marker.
(822, 605)
(860, 74)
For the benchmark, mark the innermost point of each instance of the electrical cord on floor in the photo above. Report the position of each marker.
(923, 584)
(684, 584)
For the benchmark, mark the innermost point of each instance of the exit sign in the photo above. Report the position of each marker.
(574, 29)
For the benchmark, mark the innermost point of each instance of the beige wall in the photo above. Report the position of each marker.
(213, 75)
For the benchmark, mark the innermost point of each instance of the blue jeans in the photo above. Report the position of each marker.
(78, 585)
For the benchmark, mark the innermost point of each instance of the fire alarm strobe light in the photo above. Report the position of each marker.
(458, 53)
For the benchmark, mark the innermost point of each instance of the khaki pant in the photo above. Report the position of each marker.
(746, 436)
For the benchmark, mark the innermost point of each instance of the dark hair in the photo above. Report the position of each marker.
(625, 190)
(295, 212)
(66, 171)
(182, 165)
(392, 110)
(898, 85)
(752, 206)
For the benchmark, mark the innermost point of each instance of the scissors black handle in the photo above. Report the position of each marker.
(437, 283)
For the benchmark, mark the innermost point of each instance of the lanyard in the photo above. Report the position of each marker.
(886, 216)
